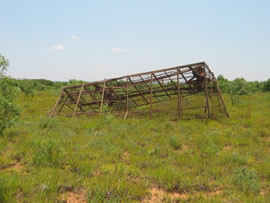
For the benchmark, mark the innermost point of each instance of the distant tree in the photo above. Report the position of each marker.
(266, 86)
(9, 112)
(224, 84)
(237, 88)
(27, 87)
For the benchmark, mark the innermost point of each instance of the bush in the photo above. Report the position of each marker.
(236, 88)
(27, 87)
(9, 112)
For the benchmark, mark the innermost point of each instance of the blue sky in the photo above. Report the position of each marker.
(93, 40)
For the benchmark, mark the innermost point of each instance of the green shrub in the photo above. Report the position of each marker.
(175, 143)
(9, 112)
(246, 180)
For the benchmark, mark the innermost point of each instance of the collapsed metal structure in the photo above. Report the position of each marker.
(185, 92)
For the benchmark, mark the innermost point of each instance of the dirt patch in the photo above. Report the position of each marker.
(267, 139)
(227, 148)
(214, 193)
(182, 149)
(158, 195)
(263, 191)
(15, 166)
(72, 197)
(125, 155)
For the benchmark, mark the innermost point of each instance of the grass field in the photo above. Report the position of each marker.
(108, 159)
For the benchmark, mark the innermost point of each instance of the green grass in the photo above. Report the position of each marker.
(108, 159)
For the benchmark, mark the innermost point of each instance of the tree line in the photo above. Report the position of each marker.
(239, 86)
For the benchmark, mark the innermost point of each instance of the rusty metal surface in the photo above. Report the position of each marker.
(143, 93)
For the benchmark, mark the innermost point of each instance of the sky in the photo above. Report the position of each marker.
(92, 40)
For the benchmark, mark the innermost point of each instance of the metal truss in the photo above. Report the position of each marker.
(147, 93)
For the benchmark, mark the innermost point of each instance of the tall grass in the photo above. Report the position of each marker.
(108, 159)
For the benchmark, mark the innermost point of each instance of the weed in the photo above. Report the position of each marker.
(246, 180)
(47, 122)
(8, 187)
(46, 153)
(175, 143)
(239, 159)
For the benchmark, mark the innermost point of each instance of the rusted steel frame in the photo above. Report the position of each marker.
(113, 92)
(155, 90)
(151, 95)
(161, 85)
(219, 93)
(138, 91)
(148, 80)
(221, 98)
(92, 97)
(124, 90)
(115, 87)
(80, 95)
(89, 92)
(185, 79)
(56, 103)
(68, 107)
(144, 73)
(98, 102)
(161, 70)
(147, 85)
(65, 113)
(184, 93)
(168, 110)
(206, 93)
(171, 79)
(211, 89)
(102, 97)
(63, 104)
(111, 80)
(93, 102)
(73, 99)
(161, 111)
(78, 100)
(144, 82)
(192, 77)
(179, 97)
(126, 100)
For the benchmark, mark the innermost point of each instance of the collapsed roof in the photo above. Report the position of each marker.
(187, 91)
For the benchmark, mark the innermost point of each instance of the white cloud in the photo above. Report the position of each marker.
(119, 50)
(57, 47)
(73, 37)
